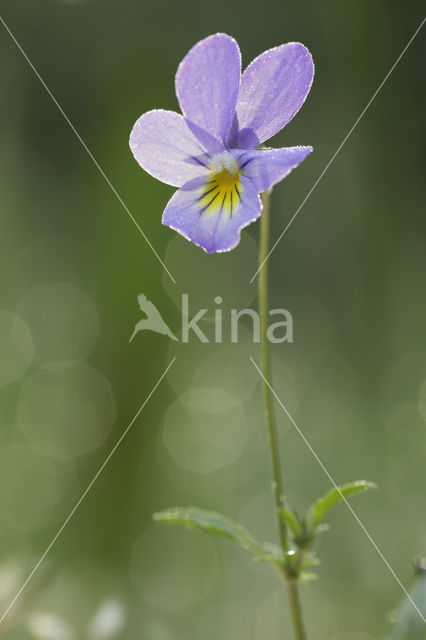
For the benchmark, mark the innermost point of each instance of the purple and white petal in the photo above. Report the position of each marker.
(171, 148)
(273, 88)
(207, 83)
(266, 167)
(216, 230)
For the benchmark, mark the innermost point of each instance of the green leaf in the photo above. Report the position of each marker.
(211, 522)
(322, 506)
(291, 520)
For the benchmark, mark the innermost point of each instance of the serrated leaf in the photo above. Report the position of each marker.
(291, 521)
(211, 522)
(322, 506)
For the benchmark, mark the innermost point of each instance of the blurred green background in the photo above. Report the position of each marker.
(351, 270)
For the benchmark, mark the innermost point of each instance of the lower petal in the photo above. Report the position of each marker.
(266, 167)
(212, 220)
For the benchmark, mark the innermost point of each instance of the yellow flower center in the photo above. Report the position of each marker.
(223, 190)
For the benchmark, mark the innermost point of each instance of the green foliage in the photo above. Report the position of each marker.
(219, 525)
(304, 529)
(319, 509)
(292, 521)
(208, 521)
(407, 622)
(300, 557)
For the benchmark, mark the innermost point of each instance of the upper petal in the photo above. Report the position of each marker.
(273, 88)
(266, 167)
(207, 83)
(171, 148)
(216, 227)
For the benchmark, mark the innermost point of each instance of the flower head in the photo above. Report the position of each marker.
(209, 151)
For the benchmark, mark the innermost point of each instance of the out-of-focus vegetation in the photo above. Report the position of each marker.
(351, 270)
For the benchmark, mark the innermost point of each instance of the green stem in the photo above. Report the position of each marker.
(295, 608)
(265, 364)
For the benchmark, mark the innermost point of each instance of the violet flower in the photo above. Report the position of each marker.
(209, 151)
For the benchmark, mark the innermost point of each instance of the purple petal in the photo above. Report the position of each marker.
(273, 88)
(170, 148)
(266, 167)
(207, 84)
(213, 229)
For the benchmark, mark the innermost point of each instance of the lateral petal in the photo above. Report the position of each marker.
(266, 167)
(171, 148)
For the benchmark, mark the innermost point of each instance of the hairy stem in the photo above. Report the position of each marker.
(265, 364)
